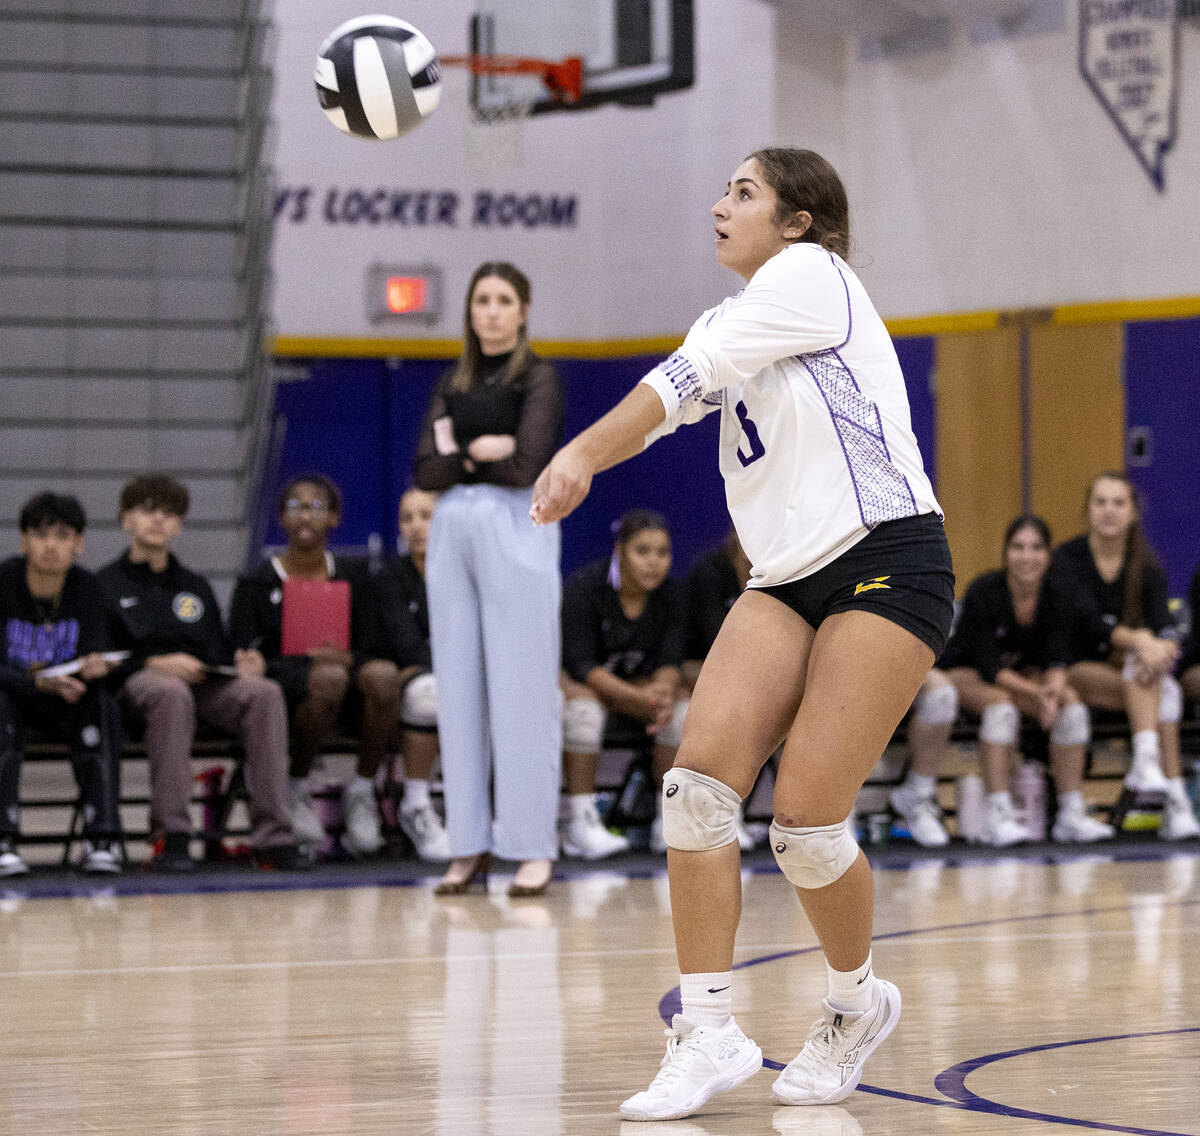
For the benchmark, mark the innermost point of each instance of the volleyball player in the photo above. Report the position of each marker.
(848, 605)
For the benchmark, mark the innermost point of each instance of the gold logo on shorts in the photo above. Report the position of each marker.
(871, 585)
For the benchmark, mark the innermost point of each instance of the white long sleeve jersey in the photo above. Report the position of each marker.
(816, 444)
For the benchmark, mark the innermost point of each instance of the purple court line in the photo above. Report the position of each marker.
(952, 1081)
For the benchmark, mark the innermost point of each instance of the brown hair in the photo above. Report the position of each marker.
(1138, 553)
(804, 181)
(470, 362)
(155, 491)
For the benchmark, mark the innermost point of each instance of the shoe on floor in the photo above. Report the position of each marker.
(100, 858)
(361, 817)
(701, 1061)
(1146, 777)
(1079, 828)
(584, 836)
(1178, 821)
(173, 854)
(424, 829)
(1002, 827)
(921, 815)
(306, 825)
(11, 863)
(830, 1065)
(283, 858)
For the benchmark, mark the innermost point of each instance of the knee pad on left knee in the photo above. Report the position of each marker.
(672, 733)
(1170, 700)
(583, 725)
(1000, 724)
(699, 813)
(418, 706)
(937, 705)
(1073, 726)
(813, 858)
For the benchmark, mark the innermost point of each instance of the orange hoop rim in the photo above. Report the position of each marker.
(564, 80)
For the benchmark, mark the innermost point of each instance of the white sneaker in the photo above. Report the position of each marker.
(424, 828)
(1079, 828)
(585, 837)
(361, 817)
(100, 859)
(830, 1065)
(700, 1062)
(1178, 821)
(1146, 777)
(658, 844)
(306, 825)
(11, 863)
(922, 815)
(1002, 828)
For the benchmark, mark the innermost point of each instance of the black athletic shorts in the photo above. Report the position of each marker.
(900, 570)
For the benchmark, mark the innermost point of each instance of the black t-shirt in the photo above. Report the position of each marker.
(1099, 603)
(405, 613)
(598, 633)
(712, 588)
(41, 633)
(988, 637)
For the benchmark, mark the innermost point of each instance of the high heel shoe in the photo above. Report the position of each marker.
(526, 890)
(463, 872)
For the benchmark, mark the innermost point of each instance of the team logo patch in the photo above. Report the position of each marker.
(188, 608)
(871, 585)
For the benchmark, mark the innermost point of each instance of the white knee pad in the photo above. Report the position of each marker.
(1073, 726)
(583, 725)
(418, 706)
(937, 705)
(813, 857)
(699, 812)
(672, 733)
(999, 723)
(1170, 700)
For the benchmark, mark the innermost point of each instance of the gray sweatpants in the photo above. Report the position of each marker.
(494, 592)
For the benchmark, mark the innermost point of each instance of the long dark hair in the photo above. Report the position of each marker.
(1138, 554)
(1027, 521)
(804, 181)
(470, 362)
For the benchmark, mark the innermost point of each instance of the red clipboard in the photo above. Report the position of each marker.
(316, 613)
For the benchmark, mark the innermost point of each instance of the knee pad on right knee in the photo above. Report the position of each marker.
(583, 725)
(1073, 726)
(813, 858)
(699, 813)
(418, 706)
(937, 705)
(999, 724)
(1170, 700)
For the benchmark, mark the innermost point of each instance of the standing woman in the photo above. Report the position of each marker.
(494, 588)
(848, 605)
(1124, 644)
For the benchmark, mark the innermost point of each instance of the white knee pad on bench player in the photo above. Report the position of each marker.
(419, 703)
(699, 812)
(583, 725)
(672, 733)
(937, 705)
(1170, 700)
(999, 723)
(1073, 726)
(813, 857)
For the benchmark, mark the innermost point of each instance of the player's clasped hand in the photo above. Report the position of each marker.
(560, 487)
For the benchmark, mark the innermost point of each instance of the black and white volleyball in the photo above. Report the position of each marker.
(377, 77)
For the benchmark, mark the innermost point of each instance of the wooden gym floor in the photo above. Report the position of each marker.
(1043, 993)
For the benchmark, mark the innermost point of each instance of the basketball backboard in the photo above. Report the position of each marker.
(632, 50)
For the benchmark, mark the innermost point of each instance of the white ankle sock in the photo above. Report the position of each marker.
(416, 795)
(707, 998)
(1002, 798)
(851, 990)
(1145, 747)
(579, 805)
(1177, 790)
(1071, 804)
(923, 786)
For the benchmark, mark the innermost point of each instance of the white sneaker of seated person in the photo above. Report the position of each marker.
(306, 825)
(1178, 819)
(1002, 827)
(700, 1062)
(921, 814)
(361, 817)
(1146, 776)
(100, 859)
(424, 828)
(11, 863)
(583, 833)
(1072, 825)
(830, 1065)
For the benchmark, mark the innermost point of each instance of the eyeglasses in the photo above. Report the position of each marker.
(316, 507)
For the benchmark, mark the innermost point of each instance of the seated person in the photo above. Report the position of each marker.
(930, 723)
(1189, 662)
(623, 629)
(327, 680)
(405, 614)
(1008, 658)
(182, 668)
(52, 613)
(1124, 642)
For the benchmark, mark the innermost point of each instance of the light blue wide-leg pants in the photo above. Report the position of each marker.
(494, 594)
